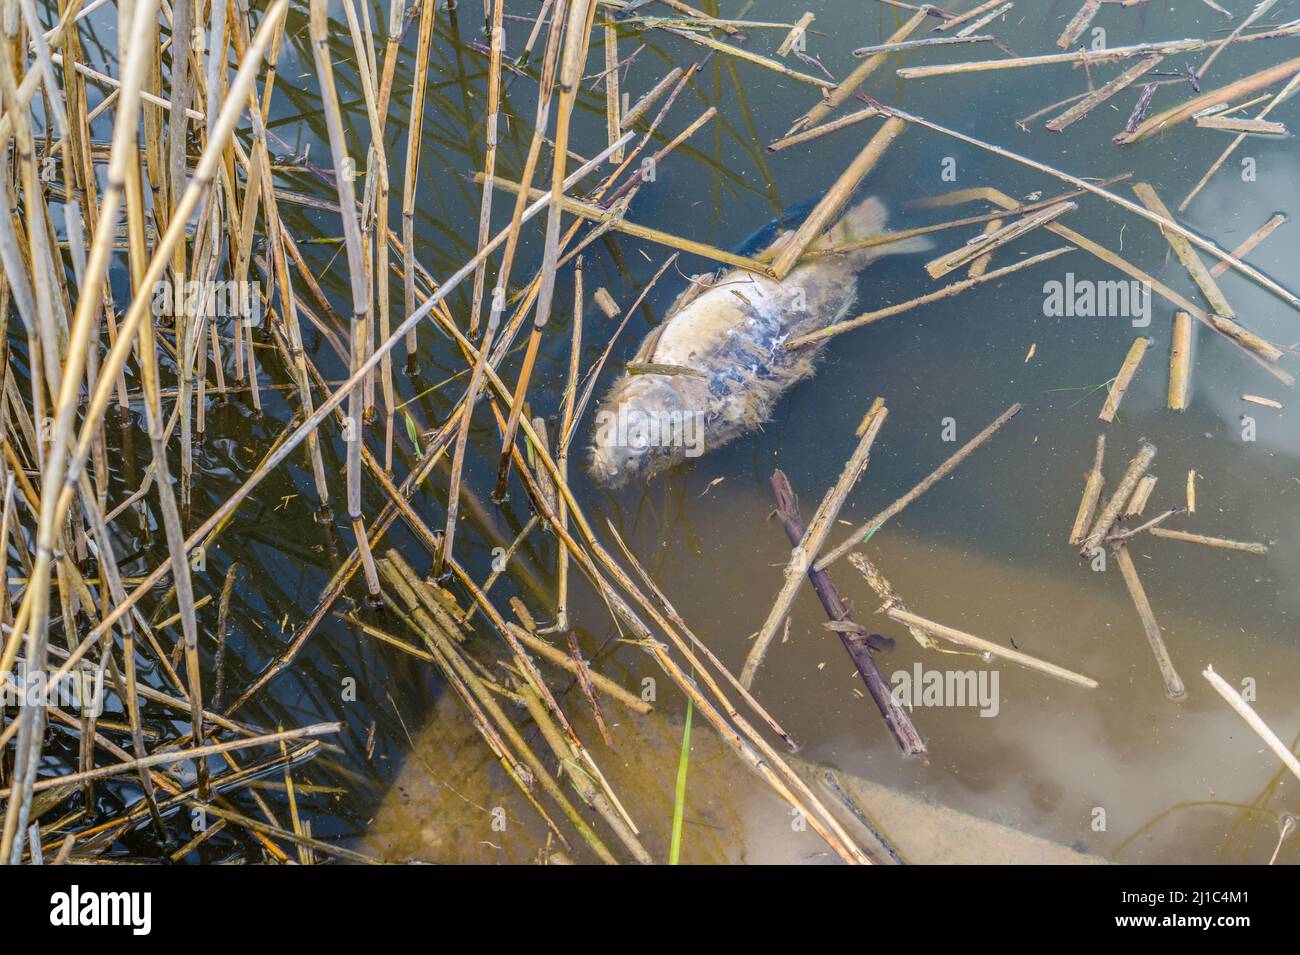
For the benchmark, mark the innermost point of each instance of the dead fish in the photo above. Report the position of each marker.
(732, 332)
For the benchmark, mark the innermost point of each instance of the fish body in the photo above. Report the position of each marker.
(722, 348)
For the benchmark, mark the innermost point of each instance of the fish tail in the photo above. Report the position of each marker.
(865, 220)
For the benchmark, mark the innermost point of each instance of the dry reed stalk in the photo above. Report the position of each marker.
(905, 45)
(1080, 58)
(495, 44)
(292, 439)
(1262, 352)
(1078, 23)
(986, 646)
(1180, 362)
(1174, 688)
(845, 89)
(815, 534)
(1119, 387)
(614, 219)
(961, 19)
(1250, 547)
(741, 53)
(1091, 494)
(36, 600)
(1231, 124)
(938, 474)
(830, 205)
(1123, 491)
(989, 241)
(1104, 92)
(1141, 494)
(1261, 8)
(550, 66)
(613, 99)
(1224, 94)
(1253, 720)
(1191, 491)
(576, 775)
(601, 682)
(1164, 222)
(817, 132)
(414, 137)
(576, 41)
(1191, 261)
(499, 733)
(344, 171)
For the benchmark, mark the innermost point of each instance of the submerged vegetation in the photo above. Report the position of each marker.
(208, 328)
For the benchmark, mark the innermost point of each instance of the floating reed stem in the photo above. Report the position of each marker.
(1249, 547)
(1180, 362)
(989, 242)
(993, 649)
(1091, 494)
(1119, 387)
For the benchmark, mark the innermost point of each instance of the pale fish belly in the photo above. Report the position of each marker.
(736, 333)
(728, 345)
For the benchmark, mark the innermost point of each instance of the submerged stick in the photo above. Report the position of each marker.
(895, 716)
(939, 473)
(806, 549)
(1174, 688)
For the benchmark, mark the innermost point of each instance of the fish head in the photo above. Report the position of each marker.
(647, 423)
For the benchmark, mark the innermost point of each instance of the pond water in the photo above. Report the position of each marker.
(1120, 771)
